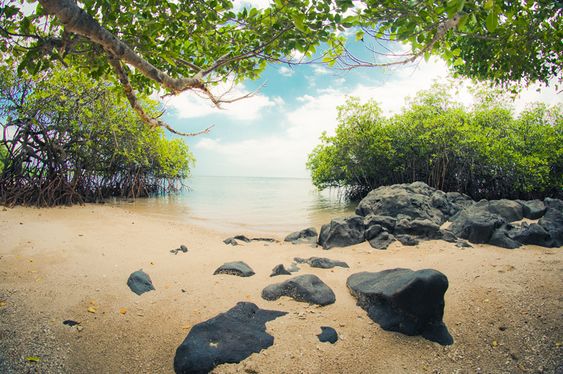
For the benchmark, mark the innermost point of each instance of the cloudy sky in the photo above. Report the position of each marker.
(271, 133)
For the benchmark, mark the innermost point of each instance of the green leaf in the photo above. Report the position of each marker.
(459, 61)
(33, 358)
(298, 21)
(492, 21)
(359, 35)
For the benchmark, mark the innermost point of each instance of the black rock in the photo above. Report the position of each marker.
(308, 235)
(231, 241)
(552, 221)
(407, 240)
(372, 231)
(410, 200)
(229, 337)
(328, 334)
(410, 302)
(419, 227)
(530, 234)
(382, 240)
(182, 249)
(388, 223)
(269, 240)
(509, 210)
(532, 209)
(70, 322)
(279, 270)
(140, 282)
(342, 232)
(476, 224)
(237, 268)
(500, 238)
(308, 288)
(448, 236)
(242, 238)
(320, 262)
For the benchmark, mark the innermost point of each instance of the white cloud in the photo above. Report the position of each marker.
(320, 70)
(259, 4)
(191, 105)
(285, 71)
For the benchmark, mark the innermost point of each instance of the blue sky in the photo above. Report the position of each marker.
(271, 133)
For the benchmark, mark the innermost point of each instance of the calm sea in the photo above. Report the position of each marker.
(240, 204)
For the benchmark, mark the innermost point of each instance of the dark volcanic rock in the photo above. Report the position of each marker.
(229, 337)
(304, 236)
(500, 238)
(531, 234)
(373, 231)
(532, 209)
(342, 232)
(418, 227)
(509, 210)
(237, 268)
(320, 262)
(383, 221)
(382, 240)
(411, 200)
(279, 270)
(182, 249)
(476, 224)
(552, 220)
(407, 240)
(328, 334)
(140, 282)
(230, 241)
(242, 238)
(308, 288)
(410, 302)
(448, 236)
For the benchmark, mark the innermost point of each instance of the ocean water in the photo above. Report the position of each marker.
(242, 204)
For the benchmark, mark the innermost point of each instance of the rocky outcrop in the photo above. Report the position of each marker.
(320, 262)
(140, 282)
(413, 212)
(552, 221)
(307, 288)
(308, 236)
(328, 335)
(410, 302)
(342, 232)
(237, 268)
(229, 337)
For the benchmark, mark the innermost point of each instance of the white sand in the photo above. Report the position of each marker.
(503, 307)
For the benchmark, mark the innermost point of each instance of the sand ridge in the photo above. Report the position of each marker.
(503, 307)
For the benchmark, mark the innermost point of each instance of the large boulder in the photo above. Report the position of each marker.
(410, 302)
(532, 209)
(418, 227)
(476, 224)
(320, 262)
(509, 210)
(530, 234)
(410, 200)
(238, 268)
(501, 238)
(140, 282)
(386, 222)
(382, 241)
(552, 221)
(308, 235)
(308, 288)
(342, 232)
(229, 337)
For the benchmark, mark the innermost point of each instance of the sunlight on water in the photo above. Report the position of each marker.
(275, 205)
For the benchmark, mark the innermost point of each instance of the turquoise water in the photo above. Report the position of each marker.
(240, 204)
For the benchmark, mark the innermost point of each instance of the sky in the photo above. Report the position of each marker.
(271, 133)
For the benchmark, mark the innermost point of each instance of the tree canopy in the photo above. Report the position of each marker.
(178, 45)
(484, 151)
(71, 139)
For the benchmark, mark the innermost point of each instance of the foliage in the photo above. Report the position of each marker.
(71, 139)
(484, 151)
(210, 40)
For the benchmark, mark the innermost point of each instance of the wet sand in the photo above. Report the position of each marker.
(503, 307)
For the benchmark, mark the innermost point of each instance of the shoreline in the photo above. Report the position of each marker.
(502, 306)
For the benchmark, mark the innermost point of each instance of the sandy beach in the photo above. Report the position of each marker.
(503, 307)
